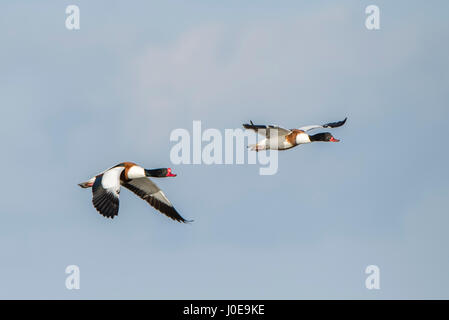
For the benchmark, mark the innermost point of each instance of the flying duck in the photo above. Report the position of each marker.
(106, 188)
(278, 138)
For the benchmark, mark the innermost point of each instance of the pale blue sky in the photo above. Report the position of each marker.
(76, 102)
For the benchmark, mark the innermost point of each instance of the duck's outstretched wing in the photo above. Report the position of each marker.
(105, 192)
(150, 192)
(267, 131)
(327, 125)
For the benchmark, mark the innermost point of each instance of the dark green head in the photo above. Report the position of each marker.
(159, 173)
(324, 136)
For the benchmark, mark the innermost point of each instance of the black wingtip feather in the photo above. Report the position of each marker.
(106, 204)
(335, 124)
(254, 126)
(249, 125)
(167, 210)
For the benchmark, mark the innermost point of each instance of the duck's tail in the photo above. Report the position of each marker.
(84, 185)
(256, 147)
(87, 184)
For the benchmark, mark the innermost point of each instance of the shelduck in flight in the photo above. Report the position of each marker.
(278, 138)
(106, 188)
